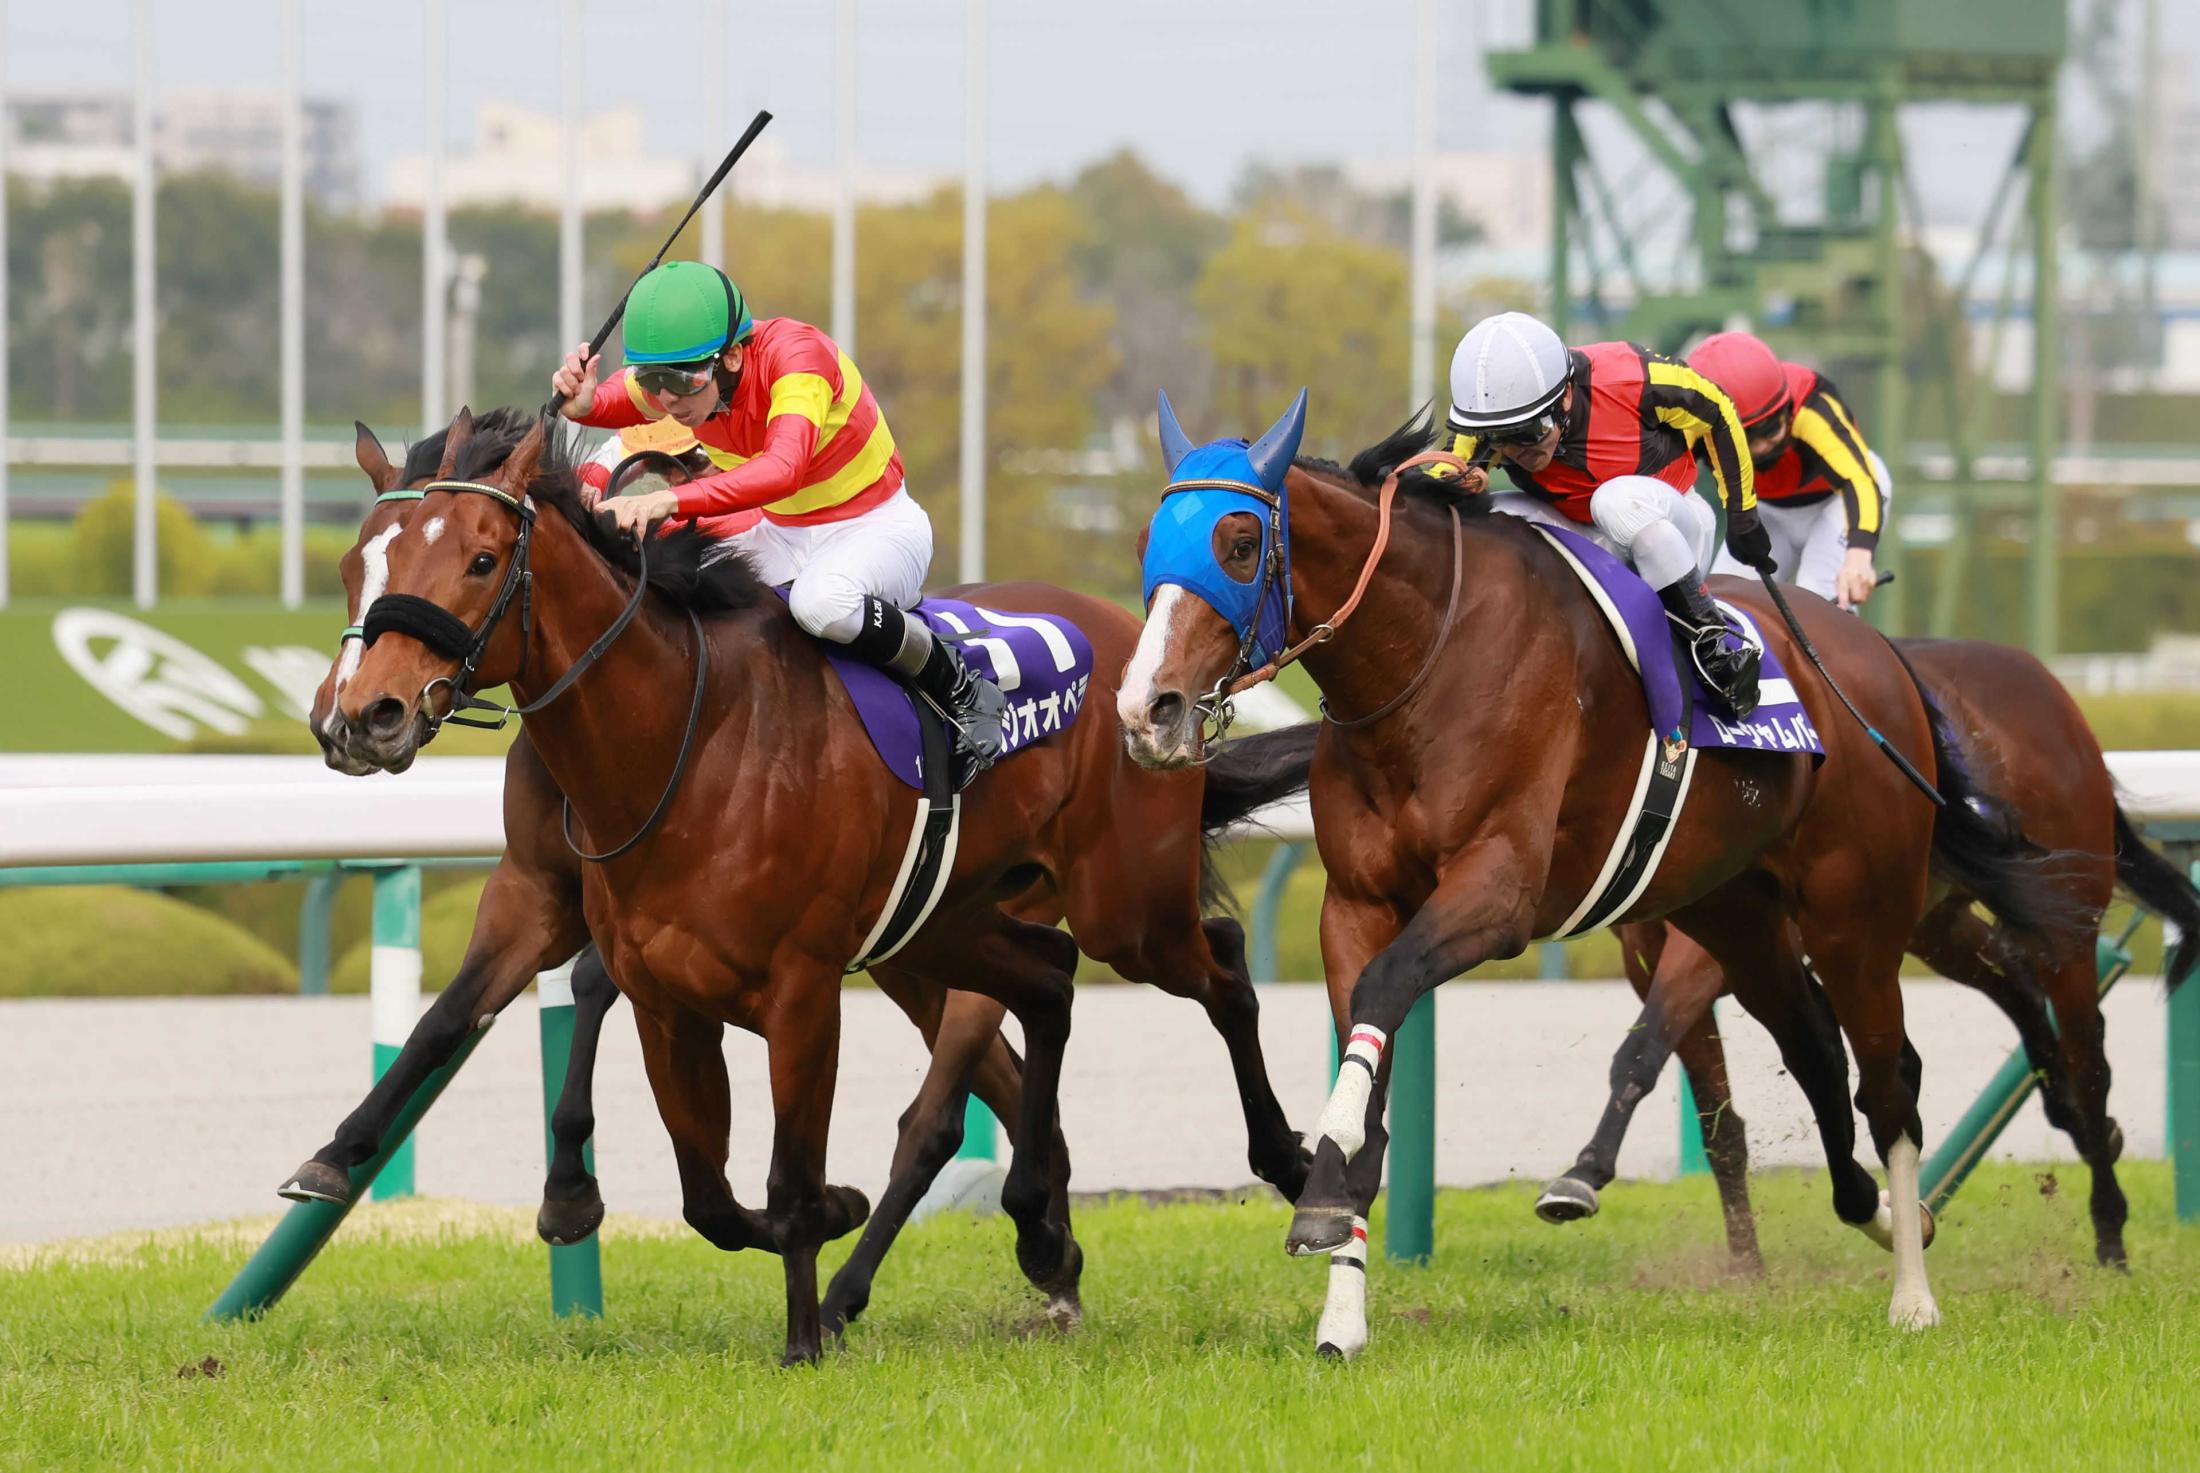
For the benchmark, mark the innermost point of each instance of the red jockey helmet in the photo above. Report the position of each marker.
(1746, 371)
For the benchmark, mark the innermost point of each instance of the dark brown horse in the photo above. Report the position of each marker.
(1464, 804)
(775, 891)
(2026, 739)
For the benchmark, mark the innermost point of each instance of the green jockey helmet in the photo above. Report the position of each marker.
(684, 312)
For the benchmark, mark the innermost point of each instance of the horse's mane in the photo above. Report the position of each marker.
(676, 567)
(424, 457)
(1372, 466)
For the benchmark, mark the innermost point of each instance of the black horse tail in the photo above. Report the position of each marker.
(1243, 777)
(1979, 846)
(2163, 888)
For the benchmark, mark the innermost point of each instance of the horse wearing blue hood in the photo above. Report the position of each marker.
(1489, 773)
(1206, 484)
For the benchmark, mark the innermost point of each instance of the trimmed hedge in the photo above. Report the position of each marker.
(113, 941)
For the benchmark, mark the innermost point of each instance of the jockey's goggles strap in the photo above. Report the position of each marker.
(1325, 631)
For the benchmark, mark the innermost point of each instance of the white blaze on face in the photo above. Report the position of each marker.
(433, 530)
(374, 559)
(1170, 604)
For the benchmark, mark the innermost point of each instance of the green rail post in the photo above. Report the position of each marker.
(2184, 1092)
(313, 932)
(1267, 905)
(981, 1132)
(1974, 1135)
(394, 982)
(1409, 1235)
(576, 1269)
(1694, 1161)
(307, 1227)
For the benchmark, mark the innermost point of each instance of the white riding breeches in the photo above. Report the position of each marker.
(885, 553)
(1663, 534)
(1810, 542)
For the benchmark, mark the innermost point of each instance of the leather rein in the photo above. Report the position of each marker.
(1216, 708)
(447, 635)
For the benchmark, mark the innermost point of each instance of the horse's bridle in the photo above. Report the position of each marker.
(448, 635)
(1216, 704)
(1214, 708)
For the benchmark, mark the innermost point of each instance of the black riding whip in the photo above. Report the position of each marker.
(1779, 601)
(710, 185)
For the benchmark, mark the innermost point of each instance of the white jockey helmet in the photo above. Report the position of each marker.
(1508, 369)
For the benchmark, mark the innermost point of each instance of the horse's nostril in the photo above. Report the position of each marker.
(385, 718)
(1166, 709)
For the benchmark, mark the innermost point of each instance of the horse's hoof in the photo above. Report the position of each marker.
(1065, 1312)
(846, 1209)
(1326, 1351)
(1569, 1199)
(1318, 1229)
(317, 1181)
(1916, 1312)
(562, 1224)
(835, 1317)
(2115, 1143)
(1880, 1228)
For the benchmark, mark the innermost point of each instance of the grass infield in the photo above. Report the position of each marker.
(423, 1340)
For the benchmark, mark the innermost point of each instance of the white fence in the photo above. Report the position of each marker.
(128, 810)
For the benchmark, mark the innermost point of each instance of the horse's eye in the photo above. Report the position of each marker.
(1246, 547)
(484, 562)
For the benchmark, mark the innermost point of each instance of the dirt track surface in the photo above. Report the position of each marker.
(118, 1114)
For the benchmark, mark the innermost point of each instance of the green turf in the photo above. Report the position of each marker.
(1605, 1345)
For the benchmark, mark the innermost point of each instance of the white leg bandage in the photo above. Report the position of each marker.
(1912, 1307)
(1344, 1118)
(1343, 1328)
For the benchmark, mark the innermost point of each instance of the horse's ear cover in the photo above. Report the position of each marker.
(1272, 453)
(1204, 484)
(1175, 444)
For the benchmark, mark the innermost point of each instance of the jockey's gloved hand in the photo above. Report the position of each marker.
(1748, 540)
(1445, 480)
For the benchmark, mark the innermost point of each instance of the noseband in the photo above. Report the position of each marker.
(447, 635)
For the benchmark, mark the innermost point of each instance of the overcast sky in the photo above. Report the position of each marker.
(1200, 87)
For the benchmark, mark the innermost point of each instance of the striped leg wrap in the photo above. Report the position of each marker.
(1344, 1118)
(1343, 1328)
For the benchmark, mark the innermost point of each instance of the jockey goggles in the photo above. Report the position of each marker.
(1528, 432)
(675, 380)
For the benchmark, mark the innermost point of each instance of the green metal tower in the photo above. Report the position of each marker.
(1843, 290)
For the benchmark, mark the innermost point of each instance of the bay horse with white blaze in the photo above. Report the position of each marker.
(1473, 775)
(744, 905)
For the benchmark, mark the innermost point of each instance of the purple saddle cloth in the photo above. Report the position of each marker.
(1779, 724)
(1041, 662)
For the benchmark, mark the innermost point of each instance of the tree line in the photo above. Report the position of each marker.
(1101, 290)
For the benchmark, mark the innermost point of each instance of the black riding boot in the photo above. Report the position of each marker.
(973, 705)
(1730, 671)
